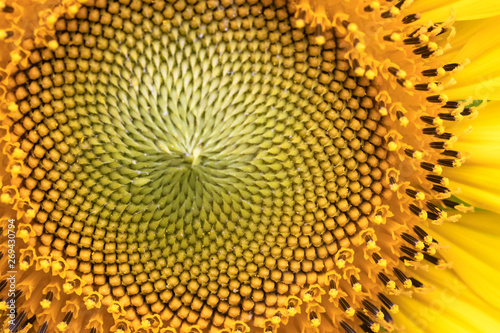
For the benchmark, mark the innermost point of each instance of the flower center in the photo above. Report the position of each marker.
(208, 161)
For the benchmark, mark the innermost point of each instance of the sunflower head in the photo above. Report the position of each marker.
(223, 166)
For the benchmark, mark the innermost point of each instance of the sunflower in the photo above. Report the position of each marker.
(249, 166)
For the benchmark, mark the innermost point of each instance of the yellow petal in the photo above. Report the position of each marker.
(481, 78)
(451, 307)
(439, 11)
(479, 177)
(473, 251)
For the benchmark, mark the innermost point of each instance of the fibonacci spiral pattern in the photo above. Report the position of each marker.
(210, 165)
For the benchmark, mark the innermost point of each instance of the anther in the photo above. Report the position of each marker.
(452, 153)
(403, 121)
(43, 328)
(333, 292)
(451, 105)
(17, 322)
(370, 243)
(433, 260)
(415, 255)
(3, 284)
(393, 184)
(417, 284)
(432, 86)
(319, 38)
(374, 327)
(438, 144)
(413, 153)
(300, 20)
(430, 120)
(346, 307)
(445, 136)
(355, 284)
(423, 51)
(413, 241)
(5, 34)
(358, 70)
(437, 98)
(435, 209)
(413, 40)
(372, 308)
(386, 281)
(404, 83)
(393, 37)
(451, 163)
(68, 317)
(433, 130)
(346, 327)
(431, 167)
(386, 14)
(400, 4)
(432, 72)
(7, 9)
(438, 179)
(414, 194)
(387, 302)
(411, 18)
(379, 260)
(450, 67)
(387, 316)
(448, 117)
(422, 234)
(422, 214)
(402, 277)
(313, 317)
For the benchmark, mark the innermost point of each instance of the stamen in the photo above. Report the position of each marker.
(451, 163)
(450, 67)
(346, 307)
(417, 284)
(437, 99)
(448, 117)
(17, 322)
(43, 328)
(438, 144)
(414, 194)
(453, 153)
(346, 327)
(423, 234)
(450, 203)
(386, 281)
(372, 308)
(433, 72)
(451, 105)
(402, 277)
(433, 260)
(7, 9)
(3, 284)
(355, 284)
(445, 136)
(413, 153)
(387, 316)
(387, 302)
(415, 255)
(413, 241)
(438, 179)
(431, 167)
(374, 327)
(379, 260)
(422, 214)
(411, 18)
